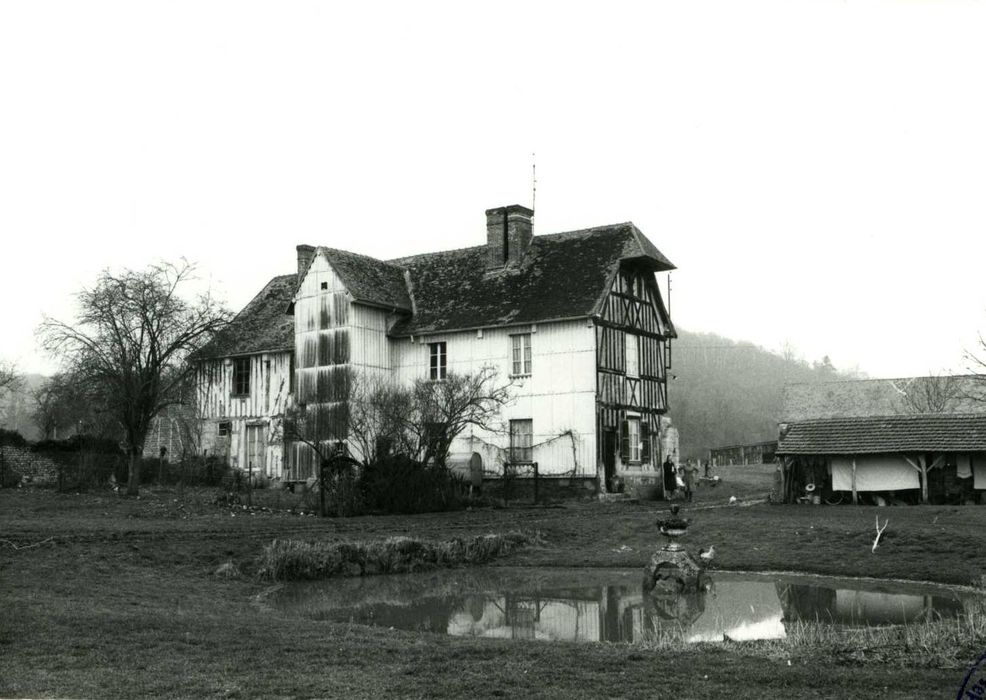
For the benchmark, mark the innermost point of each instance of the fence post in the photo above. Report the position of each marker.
(507, 476)
(250, 483)
(321, 487)
(536, 482)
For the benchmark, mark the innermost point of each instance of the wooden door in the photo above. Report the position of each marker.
(256, 452)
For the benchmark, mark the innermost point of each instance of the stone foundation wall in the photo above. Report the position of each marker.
(521, 489)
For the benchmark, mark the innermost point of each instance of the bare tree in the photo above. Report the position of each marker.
(443, 410)
(10, 380)
(977, 366)
(378, 410)
(61, 403)
(419, 420)
(935, 393)
(130, 343)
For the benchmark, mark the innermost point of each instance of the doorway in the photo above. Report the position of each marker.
(609, 457)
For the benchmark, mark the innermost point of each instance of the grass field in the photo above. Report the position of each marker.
(119, 599)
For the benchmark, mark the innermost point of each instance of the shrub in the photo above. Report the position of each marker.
(12, 438)
(293, 560)
(398, 484)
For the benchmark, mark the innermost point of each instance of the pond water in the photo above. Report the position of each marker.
(594, 605)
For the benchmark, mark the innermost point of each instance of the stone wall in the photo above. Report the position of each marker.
(37, 467)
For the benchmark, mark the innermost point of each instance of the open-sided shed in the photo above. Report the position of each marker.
(939, 457)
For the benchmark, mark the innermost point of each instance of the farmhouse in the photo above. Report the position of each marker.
(917, 439)
(574, 321)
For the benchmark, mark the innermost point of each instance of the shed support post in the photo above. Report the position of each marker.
(855, 496)
(923, 463)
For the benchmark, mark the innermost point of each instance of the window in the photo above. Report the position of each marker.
(225, 428)
(521, 355)
(635, 445)
(633, 355)
(522, 440)
(291, 379)
(633, 436)
(439, 361)
(241, 376)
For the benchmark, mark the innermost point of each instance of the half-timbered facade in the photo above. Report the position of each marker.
(573, 321)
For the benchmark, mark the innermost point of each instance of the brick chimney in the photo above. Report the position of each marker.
(305, 255)
(508, 235)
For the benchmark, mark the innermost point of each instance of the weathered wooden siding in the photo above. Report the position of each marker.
(323, 341)
(370, 345)
(558, 396)
(270, 382)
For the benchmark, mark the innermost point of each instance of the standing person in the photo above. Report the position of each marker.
(691, 472)
(670, 484)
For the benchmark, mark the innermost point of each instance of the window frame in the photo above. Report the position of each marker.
(437, 361)
(635, 445)
(521, 355)
(224, 428)
(635, 374)
(517, 443)
(241, 377)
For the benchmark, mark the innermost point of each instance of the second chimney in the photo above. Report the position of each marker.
(508, 235)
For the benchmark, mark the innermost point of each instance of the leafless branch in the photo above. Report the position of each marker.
(130, 343)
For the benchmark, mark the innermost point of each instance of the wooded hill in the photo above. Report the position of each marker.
(724, 392)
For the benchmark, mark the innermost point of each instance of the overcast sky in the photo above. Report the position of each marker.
(816, 170)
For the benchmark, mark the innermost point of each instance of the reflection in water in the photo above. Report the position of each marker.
(594, 606)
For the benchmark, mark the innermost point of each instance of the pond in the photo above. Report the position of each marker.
(600, 605)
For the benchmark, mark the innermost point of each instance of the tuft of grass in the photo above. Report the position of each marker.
(931, 643)
(296, 560)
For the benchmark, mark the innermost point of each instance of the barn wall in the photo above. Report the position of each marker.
(558, 396)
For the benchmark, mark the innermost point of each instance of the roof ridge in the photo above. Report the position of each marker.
(330, 249)
(534, 239)
(895, 416)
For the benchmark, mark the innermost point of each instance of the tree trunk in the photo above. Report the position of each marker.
(133, 477)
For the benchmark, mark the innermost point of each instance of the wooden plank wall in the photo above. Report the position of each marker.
(270, 377)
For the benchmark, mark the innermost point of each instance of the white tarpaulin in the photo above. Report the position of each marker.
(963, 465)
(877, 473)
(979, 471)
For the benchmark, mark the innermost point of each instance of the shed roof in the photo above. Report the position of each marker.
(262, 326)
(927, 432)
(563, 275)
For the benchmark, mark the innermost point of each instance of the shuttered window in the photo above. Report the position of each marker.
(631, 443)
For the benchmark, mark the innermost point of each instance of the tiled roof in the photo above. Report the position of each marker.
(262, 326)
(563, 275)
(877, 397)
(928, 432)
(370, 280)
